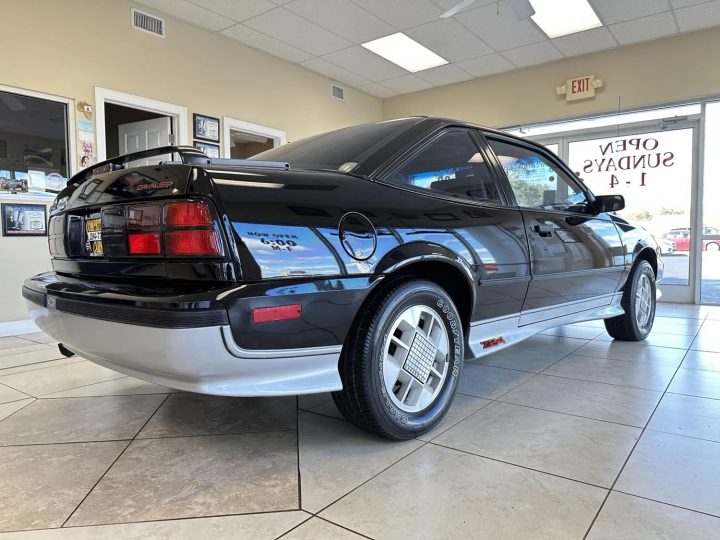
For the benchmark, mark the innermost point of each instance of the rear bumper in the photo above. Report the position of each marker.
(192, 350)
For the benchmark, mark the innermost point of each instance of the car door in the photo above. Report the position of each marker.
(466, 209)
(576, 256)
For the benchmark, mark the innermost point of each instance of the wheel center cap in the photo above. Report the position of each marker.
(420, 358)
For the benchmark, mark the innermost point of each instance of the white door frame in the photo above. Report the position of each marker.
(278, 136)
(71, 128)
(177, 113)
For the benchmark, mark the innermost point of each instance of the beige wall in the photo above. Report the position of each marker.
(658, 72)
(67, 47)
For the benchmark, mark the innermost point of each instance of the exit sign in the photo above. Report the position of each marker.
(579, 88)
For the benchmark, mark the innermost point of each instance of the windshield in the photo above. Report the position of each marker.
(341, 148)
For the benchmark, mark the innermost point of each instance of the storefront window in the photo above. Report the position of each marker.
(653, 171)
(33, 145)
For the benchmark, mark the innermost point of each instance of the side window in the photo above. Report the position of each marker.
(536, 181)
(451, 164)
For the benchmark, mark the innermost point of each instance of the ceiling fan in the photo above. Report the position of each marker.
(523, 8)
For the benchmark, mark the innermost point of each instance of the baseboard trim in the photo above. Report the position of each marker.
(17, 328)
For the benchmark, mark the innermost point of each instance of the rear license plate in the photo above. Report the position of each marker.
(93, 237)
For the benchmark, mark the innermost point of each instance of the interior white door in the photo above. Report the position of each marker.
(143, 135)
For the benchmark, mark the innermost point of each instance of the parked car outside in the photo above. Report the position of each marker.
(681, 238)
(368, 262)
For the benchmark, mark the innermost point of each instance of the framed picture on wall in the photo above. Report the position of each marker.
(206, 128)
(210, 150)
(24, 219)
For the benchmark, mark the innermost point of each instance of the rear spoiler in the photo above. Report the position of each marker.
(189, 155)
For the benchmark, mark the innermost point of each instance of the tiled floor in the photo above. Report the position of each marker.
(567, 435)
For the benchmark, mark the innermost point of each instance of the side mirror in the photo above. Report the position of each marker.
(609, 203)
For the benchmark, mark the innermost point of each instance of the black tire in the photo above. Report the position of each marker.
(626, 327)
(712, 246)
(364, 399)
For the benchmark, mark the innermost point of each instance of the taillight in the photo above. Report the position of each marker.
(144, 243)
(52, 245)
(187, 214)
(193, 242)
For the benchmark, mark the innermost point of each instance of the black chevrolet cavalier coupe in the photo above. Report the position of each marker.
(367, 262)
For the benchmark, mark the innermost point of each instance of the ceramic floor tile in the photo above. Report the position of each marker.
(336, 457)
(254, 526)
(11, 342)
(57, 378)
(462, 407)
(187, 414)
(675, 470)
(534, 354)
(632, 406)
(572, 331)
(8, 394)
(309, 401)
(620, 372)
(41, 485)
(316, 528)
(625, 516)
(577, 448)
(696, 382)
(688, 415)
(42, 365)
(79, 419)
(457, 495)
(195, 477)
(676, 326)
(39, 337)
(25, 347)
(6, 409)
(488, 381)
(125, 386)
(595, 323)
(34, 354)
(619, 350)
(707, 340)
(708, 361)
(656, 339)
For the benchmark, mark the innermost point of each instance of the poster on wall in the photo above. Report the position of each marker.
(206, 128)
(24, 219)
(210, 150)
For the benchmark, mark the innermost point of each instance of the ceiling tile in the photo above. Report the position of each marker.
(191, 13)
(530, 55)
(501, 30)
(696, 17)
(406, 84)
(237, 11)
(365, 63)
(585, 42)
(279, 2)
(613, 11)
(486, 65)
(644, 29)
(378, 90)
(334, 72)
(342, 17)
(449, 39)
(447, 4)
(442, 75)
(290, 28)
(273, 46)
(402, 14)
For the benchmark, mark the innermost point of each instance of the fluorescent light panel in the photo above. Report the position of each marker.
(405, 52)
(559, 18)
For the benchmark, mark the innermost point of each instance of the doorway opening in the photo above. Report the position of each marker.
(242, 140)
(136, 123)
(130, 130)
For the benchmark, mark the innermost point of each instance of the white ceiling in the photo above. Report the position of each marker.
(325, 35)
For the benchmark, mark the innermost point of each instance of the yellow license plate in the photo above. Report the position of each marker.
(93, 237)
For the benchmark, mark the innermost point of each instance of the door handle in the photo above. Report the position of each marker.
(544, 231)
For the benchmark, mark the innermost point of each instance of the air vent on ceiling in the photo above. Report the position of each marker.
(148, 23)
(338, 92)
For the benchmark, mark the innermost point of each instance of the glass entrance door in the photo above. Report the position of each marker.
(710, 239)
(654, 170)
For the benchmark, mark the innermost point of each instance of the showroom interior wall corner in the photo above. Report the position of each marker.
(670, 70)
(208, 73)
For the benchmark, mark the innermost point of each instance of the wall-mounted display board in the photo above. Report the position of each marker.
(20, 219)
